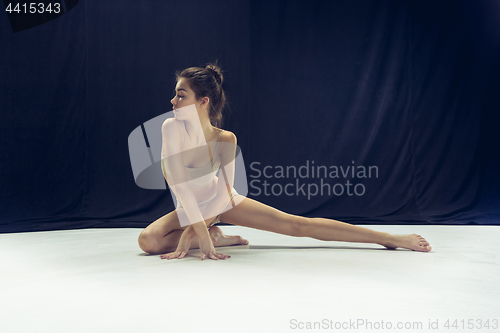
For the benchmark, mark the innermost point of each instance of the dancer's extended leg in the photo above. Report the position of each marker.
(253, 214)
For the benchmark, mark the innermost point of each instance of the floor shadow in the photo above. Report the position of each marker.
(275, 247)
(282, 247)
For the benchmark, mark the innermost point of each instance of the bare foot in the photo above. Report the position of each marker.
(220, 239)
(412, 242)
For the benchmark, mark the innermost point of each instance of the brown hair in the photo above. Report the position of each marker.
(207, 82)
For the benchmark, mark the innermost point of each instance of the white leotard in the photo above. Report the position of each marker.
(201, 176)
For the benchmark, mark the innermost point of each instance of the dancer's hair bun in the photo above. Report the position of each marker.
(216, 72)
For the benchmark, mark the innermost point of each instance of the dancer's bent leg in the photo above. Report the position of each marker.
(162, 236)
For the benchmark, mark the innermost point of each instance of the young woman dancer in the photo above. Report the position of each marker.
(198, 103)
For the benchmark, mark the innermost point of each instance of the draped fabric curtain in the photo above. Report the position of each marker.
(362, 111)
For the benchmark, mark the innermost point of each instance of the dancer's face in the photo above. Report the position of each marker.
(185, 96)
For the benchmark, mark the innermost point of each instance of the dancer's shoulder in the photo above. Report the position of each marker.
(173, 133)
(228, 136)
(171, 124)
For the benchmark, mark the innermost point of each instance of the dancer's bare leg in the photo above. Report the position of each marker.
(253, 214)
(216, 234)
(162, 236)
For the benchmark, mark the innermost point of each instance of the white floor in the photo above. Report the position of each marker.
(98, 280)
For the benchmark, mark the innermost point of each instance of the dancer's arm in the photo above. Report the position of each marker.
(175, 174)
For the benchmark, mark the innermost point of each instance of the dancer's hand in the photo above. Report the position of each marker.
(182, 247)
(207, 250)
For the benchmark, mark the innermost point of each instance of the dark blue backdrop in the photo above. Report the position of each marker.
(406, 87)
